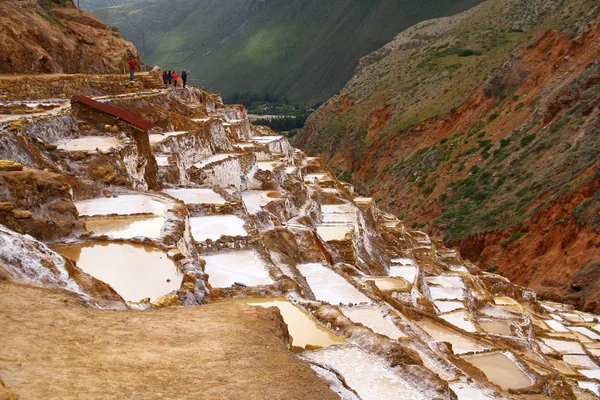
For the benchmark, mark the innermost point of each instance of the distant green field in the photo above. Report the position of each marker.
(301, 50)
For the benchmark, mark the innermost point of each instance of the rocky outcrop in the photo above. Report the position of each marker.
(46, 37)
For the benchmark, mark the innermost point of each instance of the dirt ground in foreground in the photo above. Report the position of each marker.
(52, 347)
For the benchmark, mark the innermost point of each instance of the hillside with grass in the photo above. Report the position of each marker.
(303, 51)
(484, 128)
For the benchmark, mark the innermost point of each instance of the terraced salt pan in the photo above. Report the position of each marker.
(213, 159)
(90, 143)
(585, 331)
(508, 302)
(438, 293)
(448, 306)
(460, 344)
(265, 139)
(196, 196)
(562, 367)
(496, 312)
(407, 272)
(369, 378)
(201, 119)
(256, 199)
(162, 161)
(501, 370)
(446, 281)
(268, 165)
(580, 361)
(402, 261)
(334, 232)
(590, 373)
(303, 329)
(555, 325)
(563, 346)
(134, 271)
(126, 227)
(329, 286)
(465, 391)
(590, 386)
(461, 319)
(215, 226)
(245, 267)
(373, 318)
(157, 137)
(317, 178)
(497, 327)
(121, 205)
(387, 284)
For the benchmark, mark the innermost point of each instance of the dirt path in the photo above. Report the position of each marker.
(51, 347)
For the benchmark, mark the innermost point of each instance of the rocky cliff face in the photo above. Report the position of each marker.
(55, 37)
(487, 136)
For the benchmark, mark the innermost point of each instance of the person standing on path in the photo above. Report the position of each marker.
(184, 77)
(169, 78)
(175, 76)
(132, 65)
(165, 76)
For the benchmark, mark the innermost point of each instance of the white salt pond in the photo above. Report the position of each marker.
(303, 329)
(196, 196)
(556, 326)
(460, 344)
(501, 370)
(126, 227)
(508, 302)
(162, 161)
(265, 139)
(585, 331)
(445, 306)
(121, 205)
(268, 165)
(334, 232)
(329, 286)
(580, 361)
(564, 346)
(214, 226)
(134, 271)
(373, 318)
(226, 268)
(369, 378)
(466, 391)
(407, 272)
(461, 319)
(496, 327)
(213, 159)
(590, 373)
(157, 137)
(592, 386)
(387, 284)
(317, 178)
(89, 143)
(438, 293)
(256, 199)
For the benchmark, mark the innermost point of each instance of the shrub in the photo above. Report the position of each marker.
(444, 140)
(504, 142)
(493, 117)
(527, 140)
(468, 53)
(513, 238)
(519, 106)
(474, 169)
(492, 269)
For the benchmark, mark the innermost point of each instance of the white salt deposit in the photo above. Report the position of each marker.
(373, 318)
(329, 286)
(90, 143)
(592, 386)
(213, 159)
(465, 391)
(256, 199)
(268, 165)
(162, 161)
(563, 346)
(158, 137)
(317, 178)
(447, 306)
(245, 267)
(402, 261)
(438, 293)
(126, 227)
(580, 361)
(370, 378)
(334, 232)
(407, 272)
(555, 325)
(590, 373)
(265, 139)
(585, 331)
(215, 226)
(121, 205)
(461, 319)
(460, 343)
(196, 196)
(501, 370)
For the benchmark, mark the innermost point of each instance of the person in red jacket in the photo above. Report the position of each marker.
(132, 65)
(175, 76)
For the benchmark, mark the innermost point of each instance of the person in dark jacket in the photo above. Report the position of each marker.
(165, 76)
(184, 75)
(132, 65)
(170, 77)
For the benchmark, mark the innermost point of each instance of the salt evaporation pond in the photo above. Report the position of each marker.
(213, 159)
(265, 139)
(303, 329)
(333, 232)
(126, 227)
(501, 370)
(121, 205)
(448, 305)
(407, 272)
(224, 269)
(329, 286)
(466, 391)
(268, 165)
(256, 199)
(162, 161)
(373, 318)
(369, 378)
(317, 178)
(134, 271)
(460, 344)
(196, 196)
(497, 327)
(214, 226)
(461, 319)
(387, 284)
(89, 143)
(157, 137)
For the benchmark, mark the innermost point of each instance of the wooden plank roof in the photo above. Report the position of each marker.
(136, 121)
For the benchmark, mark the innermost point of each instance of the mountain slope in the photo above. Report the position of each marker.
(486, 124)
(52, 36)
(304, 50)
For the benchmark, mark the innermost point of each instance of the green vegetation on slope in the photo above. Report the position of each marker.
(304, 50)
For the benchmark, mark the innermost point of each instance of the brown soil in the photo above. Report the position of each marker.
(56, 349)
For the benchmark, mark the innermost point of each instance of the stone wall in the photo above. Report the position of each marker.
(36, 87)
